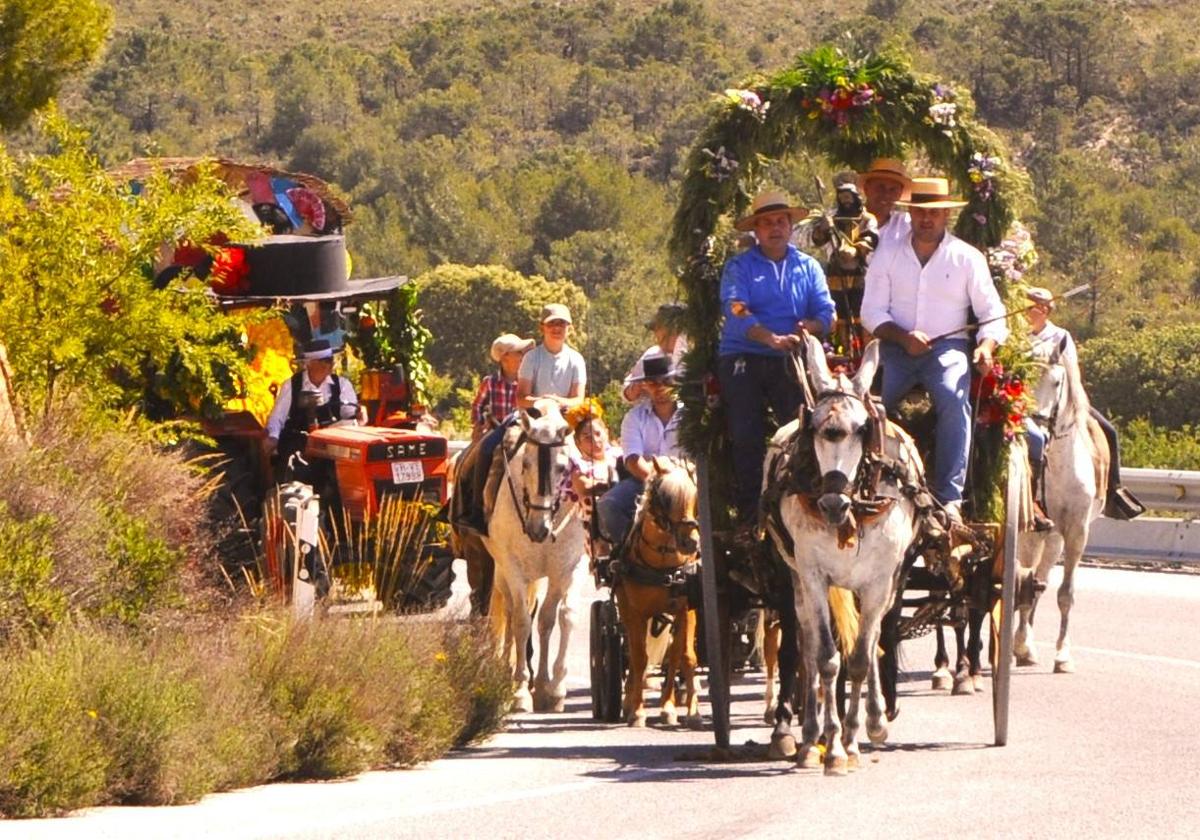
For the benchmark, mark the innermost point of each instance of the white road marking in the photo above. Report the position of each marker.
(532, 793)
(1142, 657)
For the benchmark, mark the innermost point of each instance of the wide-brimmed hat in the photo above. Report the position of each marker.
(509, 343)
(771, 201)
(556, 312)
(1040, 294)
(316, 349)
(888, 169)
(931, 192)
(656, 368)
(667, 315)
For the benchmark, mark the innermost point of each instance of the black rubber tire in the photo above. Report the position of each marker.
(596, 659)
(612, 662)
(432, 590)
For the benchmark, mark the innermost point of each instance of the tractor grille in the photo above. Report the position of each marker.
(429, 490)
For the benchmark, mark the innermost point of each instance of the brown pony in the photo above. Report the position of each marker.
(661, 552)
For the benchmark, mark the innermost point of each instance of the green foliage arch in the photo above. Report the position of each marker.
(848, 109)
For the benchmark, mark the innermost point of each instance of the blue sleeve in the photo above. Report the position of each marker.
(820, 301)
(733, 287)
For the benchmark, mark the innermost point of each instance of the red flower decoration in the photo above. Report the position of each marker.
(230, 274)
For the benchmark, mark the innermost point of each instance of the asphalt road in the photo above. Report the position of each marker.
(1110, 751)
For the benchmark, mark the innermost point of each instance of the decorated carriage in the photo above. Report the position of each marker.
(845, 111)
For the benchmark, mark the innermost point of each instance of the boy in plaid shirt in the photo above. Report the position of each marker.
(497, 394)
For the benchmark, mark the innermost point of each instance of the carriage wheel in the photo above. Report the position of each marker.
(718, 687)
(596, 656)
(1005, 606)
(608, 661)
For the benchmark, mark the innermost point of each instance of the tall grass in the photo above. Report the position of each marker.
(93, 715)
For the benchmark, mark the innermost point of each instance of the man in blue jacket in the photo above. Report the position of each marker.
(770, 295)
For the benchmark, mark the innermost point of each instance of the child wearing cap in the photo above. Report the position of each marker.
(552, 369)
(496, 397)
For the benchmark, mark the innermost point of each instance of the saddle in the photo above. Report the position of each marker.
(464, 473)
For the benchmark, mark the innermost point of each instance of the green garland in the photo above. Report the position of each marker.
(850, 110)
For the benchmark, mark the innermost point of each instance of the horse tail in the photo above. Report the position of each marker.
(845, 618)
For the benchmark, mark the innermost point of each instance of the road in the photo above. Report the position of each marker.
(1110, 751)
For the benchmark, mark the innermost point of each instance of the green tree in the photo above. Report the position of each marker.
(466, 307)
(1150, 373)
(41, 43)
(77, 311)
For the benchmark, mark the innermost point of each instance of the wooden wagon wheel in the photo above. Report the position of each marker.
(1005, 605)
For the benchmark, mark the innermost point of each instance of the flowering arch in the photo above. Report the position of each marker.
(850, 110)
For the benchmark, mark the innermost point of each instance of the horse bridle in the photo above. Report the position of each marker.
(1051, 421)
(662, 518)
(525, 506)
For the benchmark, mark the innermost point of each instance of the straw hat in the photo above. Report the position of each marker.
(509, 343)
(888, 169)
(931, 192)
(771, 201)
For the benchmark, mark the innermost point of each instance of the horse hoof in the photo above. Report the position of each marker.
(878, 735)
(892, 714)
(1064, 666)
(977, 683)
(637, 721)
(782, 746)
(836, 765)
(668, 718)
(769, 717)
(852, 763)
(942, 681)
(1027, 660)
(694, 722)
(812, 758)
(962, 686)
(548, 703)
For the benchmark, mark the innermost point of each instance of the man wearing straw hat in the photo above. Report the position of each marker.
(771, 293)
(884, 183)
(918, 299)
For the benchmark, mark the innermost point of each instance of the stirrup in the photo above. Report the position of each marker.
(1123, 505)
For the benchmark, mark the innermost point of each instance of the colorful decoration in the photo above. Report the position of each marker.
(848, 109)
(589, 409)
(273, 349)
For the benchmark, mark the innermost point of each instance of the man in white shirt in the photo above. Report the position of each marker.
(315, 395)
(918, 298)
(650, 428)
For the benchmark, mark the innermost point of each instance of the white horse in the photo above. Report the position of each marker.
(534, 533)
(1075, 480)
(839, 542)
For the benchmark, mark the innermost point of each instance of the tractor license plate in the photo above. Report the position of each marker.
(407, 472)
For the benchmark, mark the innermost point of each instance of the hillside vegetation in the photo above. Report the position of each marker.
(548, 137)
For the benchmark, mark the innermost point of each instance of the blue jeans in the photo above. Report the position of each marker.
(945, 372)
(616, 509)
(749, 384)
(1035, 439)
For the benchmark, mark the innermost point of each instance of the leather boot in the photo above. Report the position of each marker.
(1041, 522)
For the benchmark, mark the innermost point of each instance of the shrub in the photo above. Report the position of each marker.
(1153, 373)
(50, 758)
(95, 715)
(1146, 445)
(96, 521)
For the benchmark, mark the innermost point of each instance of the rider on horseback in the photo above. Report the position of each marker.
(552, 370)
(1047, 338)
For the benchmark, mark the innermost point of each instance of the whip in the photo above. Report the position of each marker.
(969, 327)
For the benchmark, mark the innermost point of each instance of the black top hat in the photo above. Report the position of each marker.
(656, 368)
(318, 348)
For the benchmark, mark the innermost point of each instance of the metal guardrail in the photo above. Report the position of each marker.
(1151, 539)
